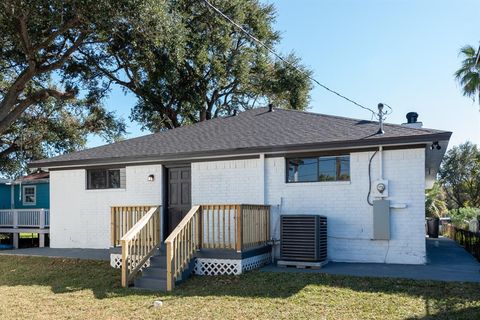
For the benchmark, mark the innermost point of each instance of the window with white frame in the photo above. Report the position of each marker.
(29, 195)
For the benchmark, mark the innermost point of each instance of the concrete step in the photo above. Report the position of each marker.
(155, 272)
(151, 283)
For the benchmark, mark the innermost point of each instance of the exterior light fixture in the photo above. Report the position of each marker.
(435, 145)
(151, 178)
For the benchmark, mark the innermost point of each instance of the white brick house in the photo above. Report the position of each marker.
(295, 162)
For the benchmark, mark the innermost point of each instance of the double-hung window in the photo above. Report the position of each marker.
(29, 195)
(317, 169)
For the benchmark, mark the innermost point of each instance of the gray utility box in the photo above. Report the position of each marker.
(303, 238)
(381, 219)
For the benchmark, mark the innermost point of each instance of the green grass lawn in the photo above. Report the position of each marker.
(45, 288)
(28, 235)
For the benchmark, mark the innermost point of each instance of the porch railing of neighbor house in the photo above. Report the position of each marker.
(468, 239)
(140, 243)
(25, 218)
(123, 218)
(225, 226)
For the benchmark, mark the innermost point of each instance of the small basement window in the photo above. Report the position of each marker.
(29, 195)
(316, 169)
(106, 178)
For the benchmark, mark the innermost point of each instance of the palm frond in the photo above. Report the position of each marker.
(468, 75)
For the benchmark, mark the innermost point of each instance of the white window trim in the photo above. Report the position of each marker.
(24, 197)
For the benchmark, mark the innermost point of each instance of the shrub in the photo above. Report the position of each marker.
(462, 216)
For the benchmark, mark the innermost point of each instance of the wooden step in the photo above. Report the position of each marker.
(158, 261)
(155, 272)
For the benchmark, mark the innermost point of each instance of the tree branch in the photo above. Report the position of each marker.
(37, 97)
(58, 64)
(69, 24)
(26, 43)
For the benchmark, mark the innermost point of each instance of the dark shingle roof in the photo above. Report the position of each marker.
(252, 131)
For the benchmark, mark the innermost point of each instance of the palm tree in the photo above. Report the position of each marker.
(435, 205)
(469, 73)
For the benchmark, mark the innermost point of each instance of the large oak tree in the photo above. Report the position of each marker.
(184, 62)
(213, 69)
(460, 175)
(48, 103)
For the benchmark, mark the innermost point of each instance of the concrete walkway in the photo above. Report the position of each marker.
(86, 254)
(447, 261)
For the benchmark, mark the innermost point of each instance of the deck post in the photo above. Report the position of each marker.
(200, 230)
(124, 245)
(42, 218)
(113, 227)
(239, 228)
(15, 219)
(170, 267)
(41, 240)
(15, 240)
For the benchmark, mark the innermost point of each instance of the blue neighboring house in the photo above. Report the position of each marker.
(29, 192)
(29, 197)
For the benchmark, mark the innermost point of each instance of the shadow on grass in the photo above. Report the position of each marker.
(445, 300)
(63, 275)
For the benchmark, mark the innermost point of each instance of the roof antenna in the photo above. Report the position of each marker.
(381, 117)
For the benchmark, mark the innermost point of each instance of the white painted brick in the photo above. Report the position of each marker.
(80, 218)
(231, 181)
(349, 215)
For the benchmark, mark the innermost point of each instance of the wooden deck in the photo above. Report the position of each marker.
(18, 221)
(235, 227)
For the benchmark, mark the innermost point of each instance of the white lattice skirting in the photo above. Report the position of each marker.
(116, 261)
(214, 267)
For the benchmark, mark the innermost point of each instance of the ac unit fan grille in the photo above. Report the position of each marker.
(303, 237)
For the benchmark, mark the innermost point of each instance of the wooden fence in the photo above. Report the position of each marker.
(468, 239)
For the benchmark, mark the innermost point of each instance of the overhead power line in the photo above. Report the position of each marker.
(272, 51)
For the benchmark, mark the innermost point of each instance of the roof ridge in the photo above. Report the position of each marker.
(356, 119)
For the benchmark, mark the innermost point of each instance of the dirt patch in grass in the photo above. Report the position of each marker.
(47, 288)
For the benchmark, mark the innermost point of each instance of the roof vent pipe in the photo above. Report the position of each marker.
(270, 107)
(412, 121)
(380, 119)
(412, 117)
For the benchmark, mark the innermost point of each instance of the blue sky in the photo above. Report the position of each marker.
(401, 52)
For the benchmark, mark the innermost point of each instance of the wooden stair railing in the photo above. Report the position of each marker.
(181, 245)
(139, 244)
(123, 218)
